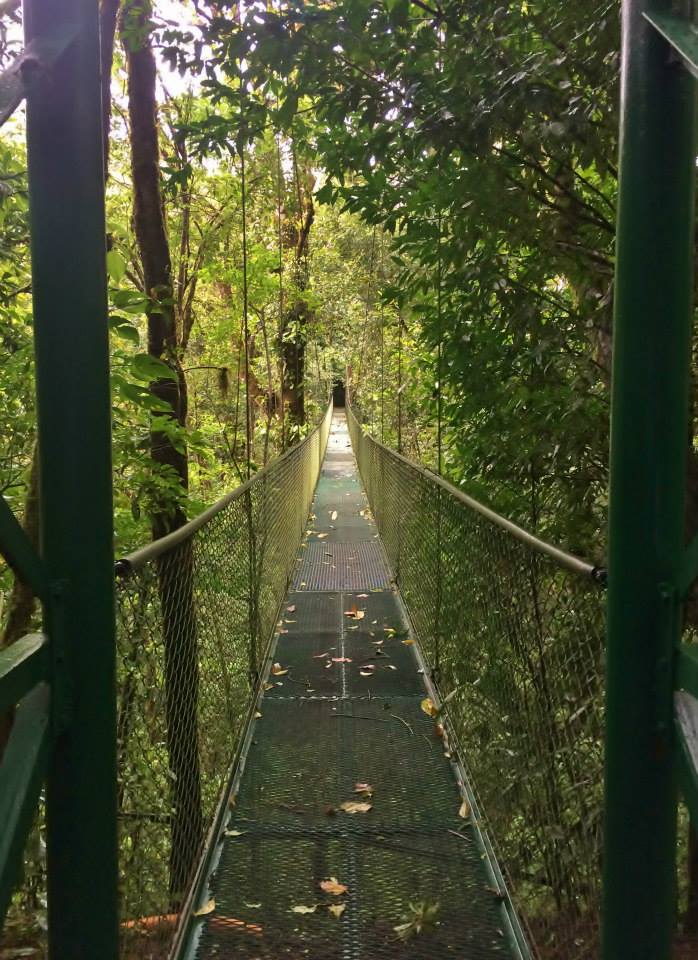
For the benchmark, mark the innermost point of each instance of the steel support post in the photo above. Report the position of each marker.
(649, 430)
(66, 187)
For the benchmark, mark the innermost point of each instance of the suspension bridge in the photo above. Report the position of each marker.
(315, 794)
(352, 714)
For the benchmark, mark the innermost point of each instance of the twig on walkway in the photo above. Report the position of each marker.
(395, 717)
(351, 716)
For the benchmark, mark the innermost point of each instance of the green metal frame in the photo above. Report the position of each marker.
(651, 356)
(62, 686)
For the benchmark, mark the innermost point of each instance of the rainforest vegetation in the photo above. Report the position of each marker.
(416, 197)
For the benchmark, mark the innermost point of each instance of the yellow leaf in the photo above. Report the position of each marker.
(337, 909)
(258, 715)
(333, 886)
(333, 515)
(301, 909)
(429, 707)
(408, 641)
(277, 670)
(464, 811)
(234, 833)
(206, 909)
(355, 806)
(321, 536)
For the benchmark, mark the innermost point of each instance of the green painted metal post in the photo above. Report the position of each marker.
(72, 366)
(651, 351)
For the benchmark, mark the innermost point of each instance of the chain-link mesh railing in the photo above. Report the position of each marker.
(196, 612)
(513, 633)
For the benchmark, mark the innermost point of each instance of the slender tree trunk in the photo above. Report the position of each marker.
(175, 571)
(298, 314)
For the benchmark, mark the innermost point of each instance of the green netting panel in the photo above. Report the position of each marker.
(518, 642)
(195, 623)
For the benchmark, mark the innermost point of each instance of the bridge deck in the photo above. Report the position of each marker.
(346, 711)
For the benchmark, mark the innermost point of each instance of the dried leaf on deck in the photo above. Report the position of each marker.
(355, 806)
(277, 670)
(206, 909)
(333, 886)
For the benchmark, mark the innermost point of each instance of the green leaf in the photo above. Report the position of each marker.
(123, 329)
(147, 368)
(116, 266)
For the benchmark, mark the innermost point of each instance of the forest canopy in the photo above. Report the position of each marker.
(419, 196)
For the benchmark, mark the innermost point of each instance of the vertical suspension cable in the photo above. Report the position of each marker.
(279, 180)
(438, 625)
(253, 582)
(382, 324)
(399, 383)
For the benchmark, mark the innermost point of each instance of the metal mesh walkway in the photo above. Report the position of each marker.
(298, 874)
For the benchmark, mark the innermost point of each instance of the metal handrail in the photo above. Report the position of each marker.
(564, 559)
(137, 559)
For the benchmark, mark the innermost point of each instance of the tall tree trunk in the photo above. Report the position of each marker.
(296, 317)
(175, 571)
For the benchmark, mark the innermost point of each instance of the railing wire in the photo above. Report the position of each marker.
(196, 613)
(519, 627)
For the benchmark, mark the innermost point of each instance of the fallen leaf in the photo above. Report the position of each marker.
(252, 906)
(320, 656)
(206, 909)
(291, 609)
(429, 707)
(341, 659)
(364, 788)
(355, 613)
(234, 833)
(366, 673)
(268, 686)
(333, 886)
(301, 909)
(355, 806)
(337, 909)
(464, 811)
(408, 641)
(333, 515)
(321, 536)
(258, 715)
(277, 670)
(362, 596)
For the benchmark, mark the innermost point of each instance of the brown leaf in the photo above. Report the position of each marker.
(277, 670)
(464, 811)
(364, 788)
(291, 609)
(355, 806)
(333, 886)
(341, 659)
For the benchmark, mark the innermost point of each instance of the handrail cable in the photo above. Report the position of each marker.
(137, 559)
(564, 559)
